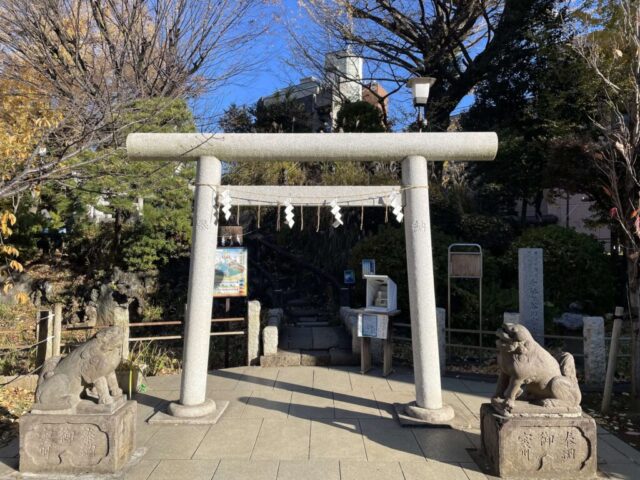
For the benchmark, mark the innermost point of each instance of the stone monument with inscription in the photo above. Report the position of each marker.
(80, 422)
(534, 427)
(531, 291)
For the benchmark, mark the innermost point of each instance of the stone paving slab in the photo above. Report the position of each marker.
(283, 440)
(341, 439)
(309, 470)
(316, 404)
(386, 399)
(176, 442)
(230, 469)
(444, 445)
(348, 405)
(8, 466)
(268, 404)
(386, 440)
(376, 470)
(621, 470)
(237, 399)
(253, 377)
(229, 438)
(295, 378)
(329, 379)
(627, 450)
(187, 469)
(435, 469)
(274, 429)
(142, 470)
(371, 381)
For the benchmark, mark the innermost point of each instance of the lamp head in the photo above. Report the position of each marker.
(420, 87)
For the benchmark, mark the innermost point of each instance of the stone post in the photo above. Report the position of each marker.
(193, 401)
(511, 317)
(120, 319)
(595, 362)
(57, 329)
(428, 407)
(253, 333)
(531, 291)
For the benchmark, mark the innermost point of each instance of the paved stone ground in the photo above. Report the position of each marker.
(300, 423)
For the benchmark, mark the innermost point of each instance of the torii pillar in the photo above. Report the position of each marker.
(412, 149)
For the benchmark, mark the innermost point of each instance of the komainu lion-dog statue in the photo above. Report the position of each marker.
(528, 372)
(88, 371)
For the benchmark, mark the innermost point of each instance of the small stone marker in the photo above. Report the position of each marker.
(595, 358)
(531, 291)
(253, 332)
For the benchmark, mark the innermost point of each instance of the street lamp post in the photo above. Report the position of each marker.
(420, 89)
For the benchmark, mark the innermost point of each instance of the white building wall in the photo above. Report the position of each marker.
(344, 74)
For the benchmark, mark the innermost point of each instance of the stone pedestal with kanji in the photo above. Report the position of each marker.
(77, 443)
(541, 444)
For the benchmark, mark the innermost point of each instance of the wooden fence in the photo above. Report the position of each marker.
(49, 331)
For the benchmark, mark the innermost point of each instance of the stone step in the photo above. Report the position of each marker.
(295, 358)
(312, 324)
(313, 338)
(307, 312)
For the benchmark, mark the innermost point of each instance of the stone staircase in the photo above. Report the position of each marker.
(311, 336)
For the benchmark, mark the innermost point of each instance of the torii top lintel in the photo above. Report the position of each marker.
(313, 147)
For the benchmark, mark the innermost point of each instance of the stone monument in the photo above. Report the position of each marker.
(80, 422)
(531, 291)
(534, 427)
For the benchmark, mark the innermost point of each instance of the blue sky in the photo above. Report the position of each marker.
(274, 71)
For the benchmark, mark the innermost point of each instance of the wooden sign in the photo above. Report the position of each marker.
(230, 236)
(465, 265)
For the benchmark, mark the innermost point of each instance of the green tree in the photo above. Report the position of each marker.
(289, 116)
(138, 240)
(359, 117)
(537, 98)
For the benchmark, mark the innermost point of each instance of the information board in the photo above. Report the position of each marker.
(372, 325)
(231, 272)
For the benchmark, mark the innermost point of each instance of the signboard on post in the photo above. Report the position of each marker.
(231, 272)
(368, 267)
(349, 277)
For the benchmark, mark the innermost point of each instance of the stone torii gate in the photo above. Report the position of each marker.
(412, 149)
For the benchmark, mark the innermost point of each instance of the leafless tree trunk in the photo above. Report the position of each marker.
(613, 55)
(92, 59)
